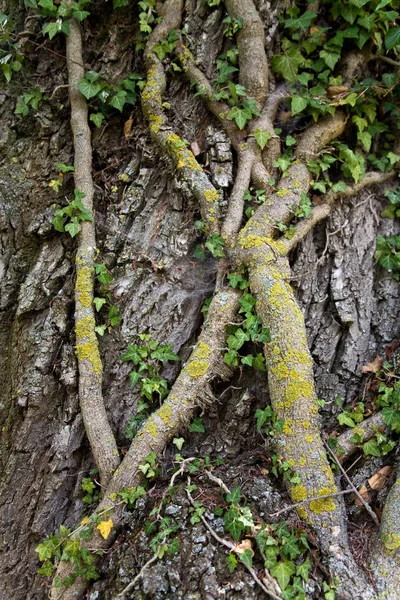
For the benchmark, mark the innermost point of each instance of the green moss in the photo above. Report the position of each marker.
(298, 493)
(324, 504)
(197, 368)
(203, 351)
(90, 351)
(84, 285)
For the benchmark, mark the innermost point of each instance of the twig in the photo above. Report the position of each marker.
(218, 482)
(230, 546)
(293, 506)
(357, 493)
(138, 576)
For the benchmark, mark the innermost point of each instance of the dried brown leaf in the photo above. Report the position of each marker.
(374, 366)
(378, 479)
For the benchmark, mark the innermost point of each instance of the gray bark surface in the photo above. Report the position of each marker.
(146, 235)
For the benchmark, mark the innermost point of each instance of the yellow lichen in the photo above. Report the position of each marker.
(296, 184)
(282, 192)
(151, 427)
(90, 351)
(197, 368)
(211, 195)
(165, 414)
(300, 388)
(84, 285)
(85, 328)
(391, 541)
(156, 122)
(287, 428)
(280, 371)
(309, 439)
(298, 493)
(302, 513)
(323, 504)
(203, 351)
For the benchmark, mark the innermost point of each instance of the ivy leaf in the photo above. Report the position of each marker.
(392, 38)
(197, 426)
(247, 360)
(100, 329)
(366, 139)
(283, 572)
(287, 64)
(262, 137)
(118, 101)
(58, 221)
(392, 418)
(52, 28)
(178, 442)
(371, 448)
(234, 496)
(81, 15)
(298, 104)
(72, 228)
(97, 119)
(246, 557)
(302, 22)
(259, 362)
(239, 115)
(231, 562)
(345, 419)
(303, 570)
(231, 358)
(89, 89)
(105, 527)
(330, 58)
(99, 302)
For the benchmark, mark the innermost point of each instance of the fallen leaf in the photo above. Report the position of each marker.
(128, 128)
(105, 527)
(336, 90)
(374, 366)
(243, 546)
(195, 148)
(363, 491)
(378, 480)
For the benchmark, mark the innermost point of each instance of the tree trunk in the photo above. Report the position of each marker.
(145, 229)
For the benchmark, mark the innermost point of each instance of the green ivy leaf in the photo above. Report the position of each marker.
(196, 426)
(246, 557)
(371, 448)
(99, 302)
(287, 64)
(345, 419)
(231, 562)
(118, 101)
(298, 104)
(303, 22)
(234, 496)
(392, 38)
(97, 119)
(392, 418)
(262, 137)
(89, 89)
(259, 362)
(330, 58)
(72, 228)
(283, 572)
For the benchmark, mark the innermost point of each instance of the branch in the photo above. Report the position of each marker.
(357, 493)
(234, 216)
(231, 547)
(319, 213)
(97, 427)
(367, 429)
(251, 44)
(316, 137)
(190, 391)
(170, 143)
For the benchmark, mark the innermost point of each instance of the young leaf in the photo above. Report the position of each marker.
(392, 38)
(298, 104)
(89, 89)
(197, 426)
(262, 137)
(283, 571)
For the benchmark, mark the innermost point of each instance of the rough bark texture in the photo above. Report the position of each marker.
(146, 234)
